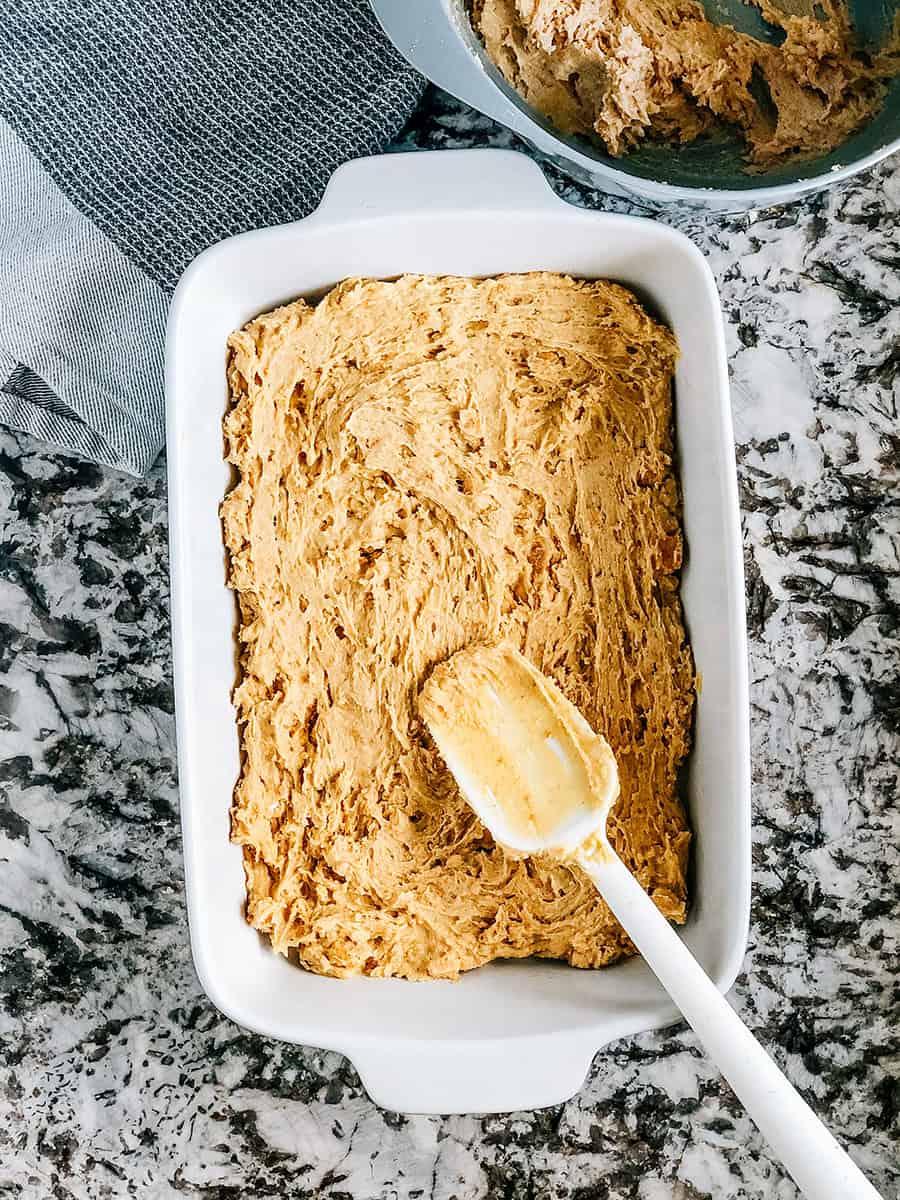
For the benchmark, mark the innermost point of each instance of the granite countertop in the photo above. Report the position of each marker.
(119, 1078)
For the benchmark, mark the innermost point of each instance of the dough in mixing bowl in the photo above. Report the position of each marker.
(626, 70)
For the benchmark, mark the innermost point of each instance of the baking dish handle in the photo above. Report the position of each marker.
(482, 180)
(472, 1077)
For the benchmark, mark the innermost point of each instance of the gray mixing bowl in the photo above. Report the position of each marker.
(436, 37)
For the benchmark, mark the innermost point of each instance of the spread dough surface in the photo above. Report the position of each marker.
(426, 464)
(623, 70)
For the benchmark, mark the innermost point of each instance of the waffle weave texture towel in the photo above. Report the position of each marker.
(132, 136)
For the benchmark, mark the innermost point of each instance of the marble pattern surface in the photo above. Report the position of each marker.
(119, 1078)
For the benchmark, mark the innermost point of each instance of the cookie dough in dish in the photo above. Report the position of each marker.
(626, 70)
(426, 464)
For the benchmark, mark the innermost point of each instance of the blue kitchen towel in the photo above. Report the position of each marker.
(132, 136)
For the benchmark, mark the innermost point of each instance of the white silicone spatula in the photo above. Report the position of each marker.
(541, 780)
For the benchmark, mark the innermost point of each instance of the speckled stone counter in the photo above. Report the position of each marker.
(119, 1078)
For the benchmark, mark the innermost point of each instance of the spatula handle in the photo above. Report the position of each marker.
(819, 1166)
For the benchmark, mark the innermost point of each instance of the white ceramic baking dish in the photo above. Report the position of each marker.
(512, 1035)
